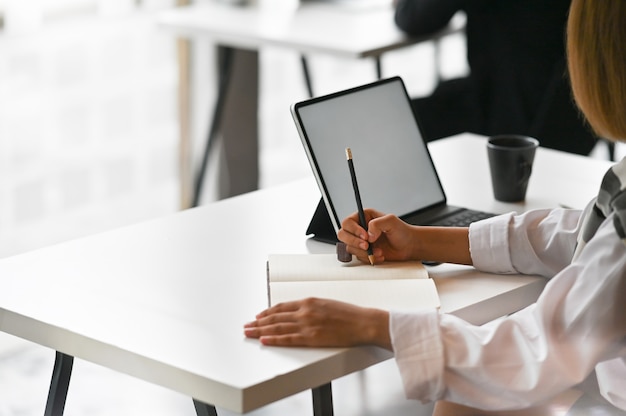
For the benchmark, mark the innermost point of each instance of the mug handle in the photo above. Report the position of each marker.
(525, 169)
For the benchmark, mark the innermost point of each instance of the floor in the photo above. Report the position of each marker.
(79, 183)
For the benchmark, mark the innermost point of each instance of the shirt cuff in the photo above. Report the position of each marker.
(418, 349)
(489, 246)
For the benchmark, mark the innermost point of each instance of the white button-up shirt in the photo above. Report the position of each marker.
(578, 324)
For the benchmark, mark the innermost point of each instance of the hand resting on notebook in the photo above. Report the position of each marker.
(317, 322)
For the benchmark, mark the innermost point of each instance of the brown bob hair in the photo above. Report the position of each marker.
(596, 47)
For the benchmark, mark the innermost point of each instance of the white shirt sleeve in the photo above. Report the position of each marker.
(535, 353)
(538, 242)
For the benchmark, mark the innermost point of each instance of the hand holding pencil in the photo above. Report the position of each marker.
(357, 195)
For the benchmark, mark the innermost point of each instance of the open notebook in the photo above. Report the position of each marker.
(395, 172)
(390, 286)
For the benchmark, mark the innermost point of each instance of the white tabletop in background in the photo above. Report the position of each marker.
(345, 30)
(165, 300)
(558, 178)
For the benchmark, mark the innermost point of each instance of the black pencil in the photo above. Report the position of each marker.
(359, 205)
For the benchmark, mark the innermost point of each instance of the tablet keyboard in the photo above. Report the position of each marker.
(463, 218)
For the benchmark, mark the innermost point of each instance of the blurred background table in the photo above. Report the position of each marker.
(340, 28)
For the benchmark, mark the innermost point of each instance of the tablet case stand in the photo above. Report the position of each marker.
(321, 226)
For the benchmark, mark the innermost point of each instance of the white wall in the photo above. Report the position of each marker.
(88, 120)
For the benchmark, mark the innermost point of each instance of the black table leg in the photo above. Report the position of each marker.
(225, 70)
(203, 409)
(59, 384)
(322, 403)
(62, 372)
(323, 400)
(307, 75)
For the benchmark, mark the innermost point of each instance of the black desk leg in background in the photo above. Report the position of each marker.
(59, 384)
(323, 400)
(225, 70)
(203, 409)
(307, 75)
(307, 72)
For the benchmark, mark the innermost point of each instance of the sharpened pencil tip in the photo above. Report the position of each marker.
(348, 153)
(371, 258)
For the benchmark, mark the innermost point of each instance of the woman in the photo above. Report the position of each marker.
(578, 324)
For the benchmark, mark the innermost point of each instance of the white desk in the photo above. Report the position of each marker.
(165, 300)
(311, 27)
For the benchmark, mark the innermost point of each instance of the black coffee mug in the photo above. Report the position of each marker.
(511, 159)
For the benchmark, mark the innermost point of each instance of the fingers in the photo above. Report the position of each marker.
(322, 323)
(357, 238)
(258, 329)
(282, 340)
(273, 322)
(353, 241)
(281, 307)
(371, 214)
(279, 334)
(352, 226)
(307, 322)
(355, 245)
(278, 320)
(352, 229)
